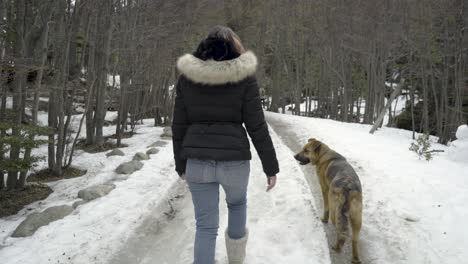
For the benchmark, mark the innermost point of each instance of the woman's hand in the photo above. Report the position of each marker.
(271, 181)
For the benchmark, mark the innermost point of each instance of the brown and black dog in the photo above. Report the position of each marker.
(341, 190)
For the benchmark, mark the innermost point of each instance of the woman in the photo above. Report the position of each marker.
(216, 93)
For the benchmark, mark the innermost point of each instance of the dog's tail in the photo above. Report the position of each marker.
(348, 209)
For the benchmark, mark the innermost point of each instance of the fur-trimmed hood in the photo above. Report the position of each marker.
(217, 72)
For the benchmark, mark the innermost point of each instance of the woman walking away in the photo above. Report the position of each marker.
(216, 94)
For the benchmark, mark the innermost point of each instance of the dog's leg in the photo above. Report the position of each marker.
(340, 234)
(326, 208)
(356, 259)
(332, 199)
(341, 220)
(355, 213)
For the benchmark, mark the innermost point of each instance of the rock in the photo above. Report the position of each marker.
(158, 143)
(129, 167)
(462, 132)
(120, 177)
(412, 219)
(140, 156)
(152, 151)
(115, 152)
(167, 132)
(95, 191)
(34, 221)
(78, 203)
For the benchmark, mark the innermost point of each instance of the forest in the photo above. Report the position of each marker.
(87, 161)
(88, 57)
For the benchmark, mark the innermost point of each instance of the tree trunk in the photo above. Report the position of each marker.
(91, 75)
(37, 88)
(4, 90)
(18, 88)
(379, 119)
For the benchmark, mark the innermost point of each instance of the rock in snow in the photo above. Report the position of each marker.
(78, 203)
(129, 167)
(152, 151)
(95, 191)
(115, 152)
(462, 132)
(167, 132)
(36, 220)
(140, 156)
(158, 143)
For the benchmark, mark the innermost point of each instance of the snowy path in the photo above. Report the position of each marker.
(414, 211)
(284, 227)
(295, 143)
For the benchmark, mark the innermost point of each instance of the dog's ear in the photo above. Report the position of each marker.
(316, 146)
(311, 139)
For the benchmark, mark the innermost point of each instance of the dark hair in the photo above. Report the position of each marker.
(221, 44)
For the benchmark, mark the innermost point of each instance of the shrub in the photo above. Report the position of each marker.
(421, 147)
(23, 138)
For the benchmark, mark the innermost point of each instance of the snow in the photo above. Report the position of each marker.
(398, 105)
(462, 132)
(458, 150)
(9, 102)
(390, 84)
(110, 81)
(283, 224)
(101, 226)
(111, 115)
(414, 211)
(171, 88)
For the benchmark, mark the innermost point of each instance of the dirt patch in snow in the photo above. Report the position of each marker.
(11, 202)
(96, 149)
(47, 176)
(127, 134)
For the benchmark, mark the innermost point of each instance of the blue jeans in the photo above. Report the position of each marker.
(203, 178)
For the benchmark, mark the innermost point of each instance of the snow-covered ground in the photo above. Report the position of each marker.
(284, 226)
(74, 125)
(414, 211)
(398, 105)
(94, 230)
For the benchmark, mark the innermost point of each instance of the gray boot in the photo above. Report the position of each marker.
(236, 248)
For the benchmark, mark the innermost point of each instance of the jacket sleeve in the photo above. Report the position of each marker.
(254, 120)
(179, 128)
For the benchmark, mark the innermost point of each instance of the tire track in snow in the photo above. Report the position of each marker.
(284, 224)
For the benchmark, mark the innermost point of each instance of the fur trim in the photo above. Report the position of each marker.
(217, 72)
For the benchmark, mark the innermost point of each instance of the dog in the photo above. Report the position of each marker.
(341, 191)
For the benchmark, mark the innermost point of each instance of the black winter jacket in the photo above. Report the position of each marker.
(213, 101)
